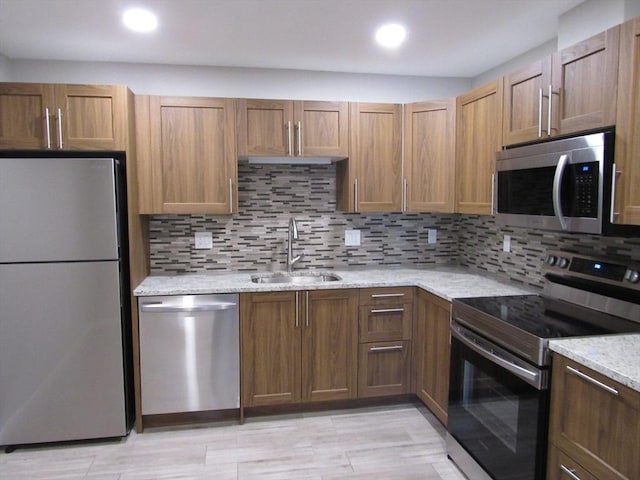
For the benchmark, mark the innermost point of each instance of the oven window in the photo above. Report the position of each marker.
(526, 192)
(499, 419)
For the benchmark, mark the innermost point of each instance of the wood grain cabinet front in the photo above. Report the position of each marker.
(385, 330)
(186, 153)
(571, 91)
(63, 117)
(292, 128)
(298, 346)
(595, 424)
(432, 347)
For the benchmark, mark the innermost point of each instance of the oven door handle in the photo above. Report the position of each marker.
(557, 190)
(533, 378)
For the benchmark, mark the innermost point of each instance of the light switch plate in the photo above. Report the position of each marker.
(506, 243)
(352, 238)
(204, 240)
(432, 235)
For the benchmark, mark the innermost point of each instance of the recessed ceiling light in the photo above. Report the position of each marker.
(391, 35)
(140, 20)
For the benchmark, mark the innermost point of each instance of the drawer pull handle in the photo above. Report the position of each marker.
(386, 349)
(388, 310)
(387, 295)
(593, 381)
(569, 472)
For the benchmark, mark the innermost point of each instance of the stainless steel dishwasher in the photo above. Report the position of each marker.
(189, 353)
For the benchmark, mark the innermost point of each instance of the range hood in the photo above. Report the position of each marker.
(290, 160)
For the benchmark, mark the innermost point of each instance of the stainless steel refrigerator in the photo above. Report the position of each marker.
(64, 308)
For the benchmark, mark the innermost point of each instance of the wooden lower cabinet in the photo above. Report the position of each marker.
(384, 368)
(595, 425)
(432, 346)
(298, 346)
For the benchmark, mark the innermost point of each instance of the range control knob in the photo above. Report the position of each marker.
(551, 260)
(563, 262)
(632, 276)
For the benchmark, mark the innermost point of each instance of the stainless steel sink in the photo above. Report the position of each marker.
(296, 278)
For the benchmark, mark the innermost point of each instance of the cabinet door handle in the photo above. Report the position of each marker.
(306, 310)
(387, 295)
(355, 195)
(299, 128)
(549, 111)
(569, 472)
(60, 144)
(493, 194)
(593, 381)
(386, 349)
(388, 310)
(614, 182)
(47, 126)
(540, 112)
(230, 195)
(405, 188)
(289, 139)
(297, 309)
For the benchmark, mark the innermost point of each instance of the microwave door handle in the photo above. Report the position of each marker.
(557, 193)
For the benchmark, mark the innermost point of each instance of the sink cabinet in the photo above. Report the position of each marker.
(385, 328)
(432, 347)
(63, 117)
(298, 346)
(594, 431)
(292, 128)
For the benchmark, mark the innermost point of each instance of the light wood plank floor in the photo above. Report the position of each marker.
(391, 442)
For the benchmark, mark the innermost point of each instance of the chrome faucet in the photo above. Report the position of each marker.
(293, 235)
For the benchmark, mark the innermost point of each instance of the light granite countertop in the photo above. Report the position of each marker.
(446, 282)
(616, 356)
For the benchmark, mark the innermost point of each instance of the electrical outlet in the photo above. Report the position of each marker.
(352, 238)
(432, 235)
(203, 240)
(506, 243)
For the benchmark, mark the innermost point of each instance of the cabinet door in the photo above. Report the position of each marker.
(270, 333)
(384, 368)
(585, 78)
(479, 137)
(23, 123)
(191, 166)
(627, 201)
(321, 129)
(432, 346)
(525, 109)
(90, 117)
(265, 127)
(429, 156)
(595, 420)
(329, 344)
(376, 155)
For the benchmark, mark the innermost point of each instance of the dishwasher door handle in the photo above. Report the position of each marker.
(159, 307)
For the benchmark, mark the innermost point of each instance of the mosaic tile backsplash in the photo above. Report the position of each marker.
(256, 237)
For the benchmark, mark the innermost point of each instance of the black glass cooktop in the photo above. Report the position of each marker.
(534, 314)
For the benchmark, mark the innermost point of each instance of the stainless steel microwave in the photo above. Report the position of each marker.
(564, 185)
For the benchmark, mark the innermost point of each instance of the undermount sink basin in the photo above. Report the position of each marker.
(295, 277)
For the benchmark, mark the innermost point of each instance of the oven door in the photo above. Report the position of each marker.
(498, 410)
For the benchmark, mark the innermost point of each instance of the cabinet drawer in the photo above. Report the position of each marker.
(386, 295)
(385, 322)
(562, 467)
(384, 368)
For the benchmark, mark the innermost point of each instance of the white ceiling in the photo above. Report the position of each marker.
(450, 38)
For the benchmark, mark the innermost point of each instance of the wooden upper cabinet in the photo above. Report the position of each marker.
(371, 181)
(63, 117)
(429, 156)
(479, 137)
(526, 108)
(584, 81)
(186, 155)
(292, 128)
(627, 147)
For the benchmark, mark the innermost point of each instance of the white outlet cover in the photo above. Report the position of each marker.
(506, 243)
(432, 235)
(352, 238)
(203, 240)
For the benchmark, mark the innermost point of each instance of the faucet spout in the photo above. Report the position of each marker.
(292, 235)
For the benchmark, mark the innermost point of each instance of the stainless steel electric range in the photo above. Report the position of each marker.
(500, 360)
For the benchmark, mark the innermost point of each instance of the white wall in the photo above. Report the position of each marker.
(631, 9)
(590, 18)
(4, 69)
(242, 82)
